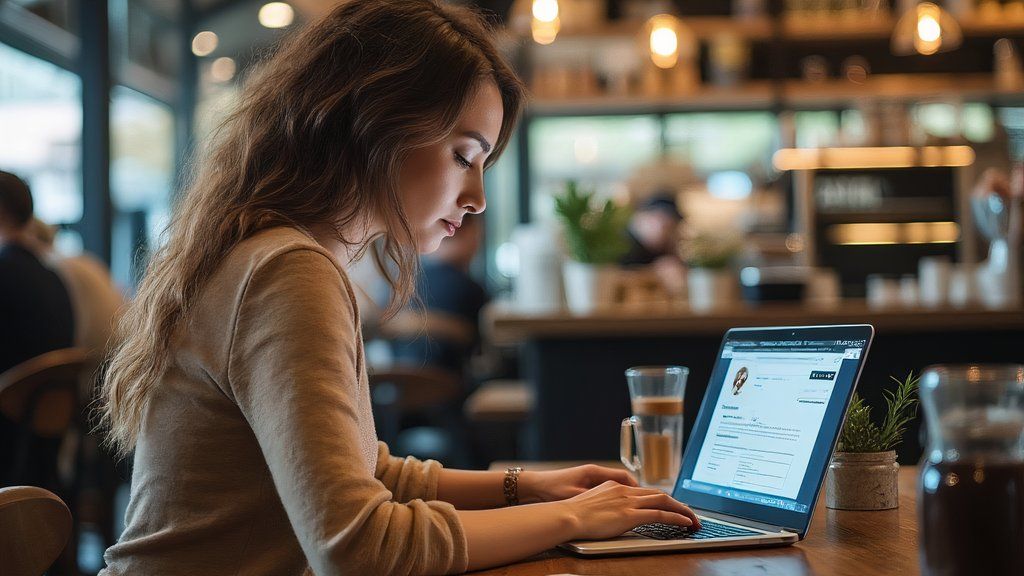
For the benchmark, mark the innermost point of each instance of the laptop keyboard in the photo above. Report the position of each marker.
(709, 529)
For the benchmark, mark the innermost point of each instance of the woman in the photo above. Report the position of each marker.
(241, 384)
(739, 380)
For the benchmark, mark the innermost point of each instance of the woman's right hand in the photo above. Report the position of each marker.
(611, 509)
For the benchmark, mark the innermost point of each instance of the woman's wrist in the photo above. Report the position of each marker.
(529, 487)
(568, 521)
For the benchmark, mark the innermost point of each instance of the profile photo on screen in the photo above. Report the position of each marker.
(739, 380)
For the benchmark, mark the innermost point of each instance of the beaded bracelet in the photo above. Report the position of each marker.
(511, 485)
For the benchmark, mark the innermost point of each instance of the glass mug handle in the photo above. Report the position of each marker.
(627, 445)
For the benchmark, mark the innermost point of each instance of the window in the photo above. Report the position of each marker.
(597, 151)
(58, 12)
(41, 116)
(722, 141)
(141, 175)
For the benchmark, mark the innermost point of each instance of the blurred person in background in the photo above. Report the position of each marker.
(451, 301)
(654, 231)
(35, 317)
(96, 300)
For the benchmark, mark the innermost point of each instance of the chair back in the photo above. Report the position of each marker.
(42, 392)
(34, 528)
(411, 388)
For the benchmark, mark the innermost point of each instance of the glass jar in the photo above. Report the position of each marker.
(971, 488)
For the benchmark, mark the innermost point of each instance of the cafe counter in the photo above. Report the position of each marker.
(576, 363)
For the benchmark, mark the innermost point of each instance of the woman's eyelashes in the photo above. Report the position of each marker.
(461, 161)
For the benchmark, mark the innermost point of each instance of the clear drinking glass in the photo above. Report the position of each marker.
(971, 488)
(652, 439)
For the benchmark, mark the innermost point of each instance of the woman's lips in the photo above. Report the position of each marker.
(451, 227)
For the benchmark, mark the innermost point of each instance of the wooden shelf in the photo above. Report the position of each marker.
(833, 28)
(880, 28)
(793, 94)
(749, 96)
(703, 27)
(836, 92)
(803, 29)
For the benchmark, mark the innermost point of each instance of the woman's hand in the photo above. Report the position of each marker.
(552, 485)
(612, 509)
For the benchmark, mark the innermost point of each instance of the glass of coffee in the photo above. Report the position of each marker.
(652, 439)
(971, 488)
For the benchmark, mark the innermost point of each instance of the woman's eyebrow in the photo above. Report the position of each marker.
(484, 144)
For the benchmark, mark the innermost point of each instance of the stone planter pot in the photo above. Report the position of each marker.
(710, 289)
(588, 287)
(862, 481)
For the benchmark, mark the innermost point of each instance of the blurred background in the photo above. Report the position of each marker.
(815, 157)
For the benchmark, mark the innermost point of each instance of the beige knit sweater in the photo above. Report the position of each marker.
(258, 454)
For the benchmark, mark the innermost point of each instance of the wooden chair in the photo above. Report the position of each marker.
(500, 401)
(400, 390)
(41, 397)
(412, 324)
(34, 527)
(498, 410)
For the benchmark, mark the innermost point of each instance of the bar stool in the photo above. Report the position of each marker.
(34, 527)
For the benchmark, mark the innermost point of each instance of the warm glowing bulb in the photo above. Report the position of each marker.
(544, 32)
(545, 10)
(664, 41)
(276, 15)
(204, 43)
(928, 28)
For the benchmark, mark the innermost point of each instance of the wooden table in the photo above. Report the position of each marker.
(839, 543)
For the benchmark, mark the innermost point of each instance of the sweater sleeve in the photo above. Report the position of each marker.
(407, 478)
(292, 369)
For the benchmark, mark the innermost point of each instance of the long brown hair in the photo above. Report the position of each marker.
(317, 139)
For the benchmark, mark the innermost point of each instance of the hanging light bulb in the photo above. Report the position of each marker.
(544, 32)
(926, 29)
(663, 40)
(545, 10)
(545, 24)
(541, 19)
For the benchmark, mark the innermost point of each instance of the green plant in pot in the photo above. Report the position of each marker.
(863, 474)
(595, 238)
(710, 282)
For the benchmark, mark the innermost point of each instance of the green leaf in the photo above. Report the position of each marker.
(861, 434)
(592, 236)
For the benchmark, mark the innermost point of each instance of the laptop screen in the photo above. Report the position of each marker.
(769, 420)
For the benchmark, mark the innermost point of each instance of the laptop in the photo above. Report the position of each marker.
(758, 451)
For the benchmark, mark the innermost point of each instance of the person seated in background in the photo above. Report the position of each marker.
(653, 237)
(35, 318)
(451, 301)
(96, 300)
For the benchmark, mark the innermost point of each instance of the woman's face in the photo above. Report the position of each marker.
(440, 183)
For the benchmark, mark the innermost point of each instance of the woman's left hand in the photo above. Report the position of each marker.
(551, 485)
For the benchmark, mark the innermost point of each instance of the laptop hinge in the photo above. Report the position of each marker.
(743, 521)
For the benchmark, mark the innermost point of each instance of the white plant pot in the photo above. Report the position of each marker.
(588, 287)
(710, 289)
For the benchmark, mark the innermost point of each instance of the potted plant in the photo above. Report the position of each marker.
(863, 472)
(710, 283)
(595, 239)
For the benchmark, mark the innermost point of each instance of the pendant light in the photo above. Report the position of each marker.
(926, 29)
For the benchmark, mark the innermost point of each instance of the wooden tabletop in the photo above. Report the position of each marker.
(503, 324)
(838, 543)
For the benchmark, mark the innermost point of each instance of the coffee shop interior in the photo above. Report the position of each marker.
(682, 167)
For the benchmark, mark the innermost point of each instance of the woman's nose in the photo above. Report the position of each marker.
(473, 199)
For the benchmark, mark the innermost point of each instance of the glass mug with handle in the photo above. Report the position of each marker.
(652, 438)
